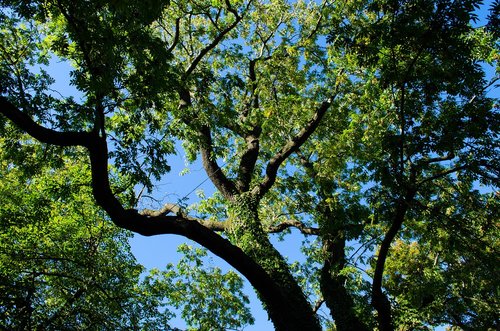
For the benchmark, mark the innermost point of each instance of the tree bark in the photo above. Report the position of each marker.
(245, 230)
(379, 300)
(332, 285)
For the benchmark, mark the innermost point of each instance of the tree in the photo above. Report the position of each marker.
(367, 124)
(64, 266)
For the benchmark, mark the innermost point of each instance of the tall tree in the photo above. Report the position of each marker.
(367, 124)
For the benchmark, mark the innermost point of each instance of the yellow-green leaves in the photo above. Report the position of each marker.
(63, 264)
(207, 297)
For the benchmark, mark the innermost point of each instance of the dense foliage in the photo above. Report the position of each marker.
(370, 127)
(65, 266)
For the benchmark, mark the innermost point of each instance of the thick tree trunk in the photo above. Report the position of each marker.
(245, 231)
(332, 284)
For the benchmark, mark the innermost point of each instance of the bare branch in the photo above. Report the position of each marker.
(442, 174)
(165, 210)
(40, 133)
(295, 224)
(212, 168)
(176, 209)
(176, 35)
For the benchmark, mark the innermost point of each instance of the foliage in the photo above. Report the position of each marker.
(63, 265)
(371, 125)
(208, 299)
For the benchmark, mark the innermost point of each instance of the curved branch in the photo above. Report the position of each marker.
(212, 168)
(379, 300)
(160, 223)
(270, 292)
(41, 133)
(147, 225)
(176, 36)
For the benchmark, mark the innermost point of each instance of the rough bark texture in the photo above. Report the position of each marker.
(335, 294)
(246, 231)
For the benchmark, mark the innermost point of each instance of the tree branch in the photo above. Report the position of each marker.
(290, 147)
(176, 209)
(295, 224)
(216, 40)
(248, 160)
(130, 219)
(442, 174)
(176, 35)
(213, 170)
(318, 305)
(426, 161)
(269, 291)
(379, 300)
(43, 134)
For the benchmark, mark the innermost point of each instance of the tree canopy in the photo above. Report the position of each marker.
(370, 127)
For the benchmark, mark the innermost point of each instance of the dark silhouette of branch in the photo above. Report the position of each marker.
(217, 39)
(176, 36)
(379, 299)
(39, 132)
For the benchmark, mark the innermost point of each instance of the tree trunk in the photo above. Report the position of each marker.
(332, 284)
(245, 231)
(379, 300)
